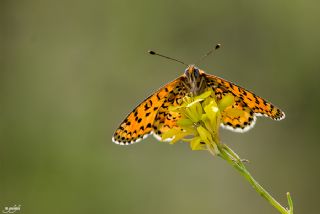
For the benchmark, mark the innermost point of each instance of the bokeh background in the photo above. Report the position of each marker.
(72, 70)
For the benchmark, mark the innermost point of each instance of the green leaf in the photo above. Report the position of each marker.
(170, 133)
(194, 112)
(203, 95)
(226, 101)
(185, 122)
(204, 135)
(179, 136)
(195, 144)
(211, 111)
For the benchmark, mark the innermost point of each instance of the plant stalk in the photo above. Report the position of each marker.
(233, 159)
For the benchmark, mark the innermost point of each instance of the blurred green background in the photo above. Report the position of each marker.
(72, 70)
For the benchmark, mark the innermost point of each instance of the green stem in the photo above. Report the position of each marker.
(233, 159)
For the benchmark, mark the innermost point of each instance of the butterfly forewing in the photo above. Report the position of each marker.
(140, 122)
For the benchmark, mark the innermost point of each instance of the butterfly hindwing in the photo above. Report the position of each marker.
(139, 123)
(165, 119)
(246, 101)
(238, 118)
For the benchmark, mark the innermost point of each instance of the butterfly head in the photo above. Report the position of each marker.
(191, 71)
(194, 79)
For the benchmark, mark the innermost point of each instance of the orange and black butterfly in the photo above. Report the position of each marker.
(153, 117)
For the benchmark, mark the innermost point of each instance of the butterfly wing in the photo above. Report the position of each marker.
(241, 116)
(140, 122)
(166, 120)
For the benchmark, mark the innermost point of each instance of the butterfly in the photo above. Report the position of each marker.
(152, 116)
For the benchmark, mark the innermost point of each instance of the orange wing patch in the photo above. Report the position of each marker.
(238, 118)
(139, 123)
(250, 104)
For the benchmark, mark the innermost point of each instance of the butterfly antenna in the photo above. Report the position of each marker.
(209, 52)
(154, 53)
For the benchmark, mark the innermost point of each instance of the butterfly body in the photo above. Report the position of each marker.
(152, 116)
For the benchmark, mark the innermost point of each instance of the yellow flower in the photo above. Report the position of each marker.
(200, 121)
(199, 125)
